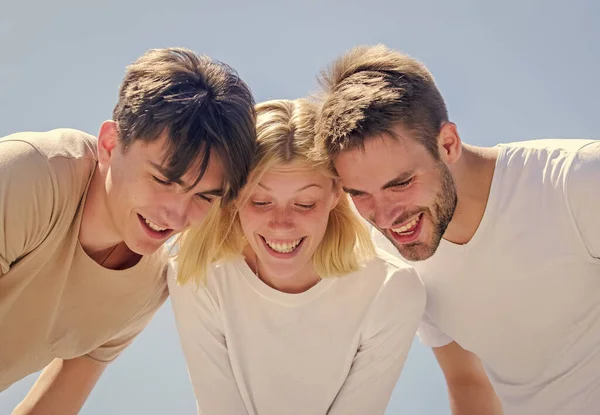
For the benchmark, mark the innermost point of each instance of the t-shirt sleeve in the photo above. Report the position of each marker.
(110, 350)
(26, 200)
(391, 326)
(583, 195)
(204, 346)
(430, 335)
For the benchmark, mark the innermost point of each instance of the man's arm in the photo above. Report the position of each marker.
(62, 388)
(469, 388)
(583, 195)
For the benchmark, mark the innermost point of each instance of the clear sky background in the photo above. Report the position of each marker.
(510, 70)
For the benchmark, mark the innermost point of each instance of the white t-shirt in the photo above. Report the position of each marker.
(524, 293)
(337, 348)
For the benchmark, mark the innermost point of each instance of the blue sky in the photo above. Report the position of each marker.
(510, 71)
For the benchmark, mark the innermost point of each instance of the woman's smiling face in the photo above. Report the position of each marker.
(285, 218)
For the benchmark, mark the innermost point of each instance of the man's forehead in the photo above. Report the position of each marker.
(194, 177)
(212, 177)
(373, 152)
(374, 166)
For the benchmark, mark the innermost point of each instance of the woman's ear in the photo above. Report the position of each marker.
(337, 194)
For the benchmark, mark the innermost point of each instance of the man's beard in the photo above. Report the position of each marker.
(443, 210)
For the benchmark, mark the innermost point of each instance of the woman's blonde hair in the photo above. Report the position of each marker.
(285, 133)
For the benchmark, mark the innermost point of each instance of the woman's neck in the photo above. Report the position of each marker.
(301, 281)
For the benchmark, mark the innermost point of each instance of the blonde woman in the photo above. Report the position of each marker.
(282, 305)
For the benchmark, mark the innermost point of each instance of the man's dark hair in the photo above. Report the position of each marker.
(201, 105)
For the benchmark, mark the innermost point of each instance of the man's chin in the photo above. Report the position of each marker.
(414, 252)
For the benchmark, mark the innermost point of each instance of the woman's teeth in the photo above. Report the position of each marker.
(283, 247)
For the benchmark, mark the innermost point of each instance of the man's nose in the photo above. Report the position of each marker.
(177, 211)
(384, 214)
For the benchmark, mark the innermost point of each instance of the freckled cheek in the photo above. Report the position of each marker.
(252, 221)
(314, 222)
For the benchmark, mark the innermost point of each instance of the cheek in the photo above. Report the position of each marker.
(365, 206)
(425, 197)
(142, 193)
(315, 222)
(198, 213)
(127, 193)
(416, 195)
(251, 221)
(362, 205)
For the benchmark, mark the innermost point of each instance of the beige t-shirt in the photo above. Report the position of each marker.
(55, 301)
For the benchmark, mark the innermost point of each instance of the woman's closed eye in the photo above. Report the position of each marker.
(305, 206)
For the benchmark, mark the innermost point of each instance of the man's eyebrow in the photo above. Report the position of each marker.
(212, 192)
(163, 171)
(218, 191)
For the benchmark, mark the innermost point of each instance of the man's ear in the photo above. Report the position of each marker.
(449, 143)
(108, 138)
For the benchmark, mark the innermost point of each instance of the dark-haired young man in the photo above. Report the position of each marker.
(506, 239)
(83, 219)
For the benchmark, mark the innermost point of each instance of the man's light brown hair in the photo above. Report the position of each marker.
(371, 89)
(201, 105)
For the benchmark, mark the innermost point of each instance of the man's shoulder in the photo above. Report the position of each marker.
(54, 166)
(58, 143)
(543, 148)
(541, 167)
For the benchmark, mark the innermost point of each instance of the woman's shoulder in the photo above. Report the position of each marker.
(400, 285)
(218, 273)
(386, 265)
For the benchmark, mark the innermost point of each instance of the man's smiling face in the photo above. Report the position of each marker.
(400, 188)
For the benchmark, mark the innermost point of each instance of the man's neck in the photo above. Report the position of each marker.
(473, 175)
(97, 234)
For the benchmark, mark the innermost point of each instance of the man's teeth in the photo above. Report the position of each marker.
(285, 247)
(154, 226)
(407, 227)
